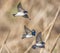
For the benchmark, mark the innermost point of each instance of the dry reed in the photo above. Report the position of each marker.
(4, 43)
(51, 28)
(55, 43)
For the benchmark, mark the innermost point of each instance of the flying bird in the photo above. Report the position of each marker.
(39, 43)
(28, 33)
(21, 12)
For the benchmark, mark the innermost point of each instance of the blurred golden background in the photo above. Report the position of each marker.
(42, 13)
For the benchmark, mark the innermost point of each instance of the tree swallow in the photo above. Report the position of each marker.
(28, 33)
(21, 12)
(39, 43)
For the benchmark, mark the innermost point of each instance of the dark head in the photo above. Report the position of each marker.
(33, 32)
(25, 12)
(42, 42)
(34, 46)
(13, 14)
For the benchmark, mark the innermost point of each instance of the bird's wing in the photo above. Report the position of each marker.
(27, 30)
(38, 37)
(19, 7)
(26, 16)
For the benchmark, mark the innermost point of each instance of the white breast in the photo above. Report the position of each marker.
(38, 44)
(20, 14)
(28, 36)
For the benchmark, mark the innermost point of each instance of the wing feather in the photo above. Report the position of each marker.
(38, 37)
(27, 30)
(19, 7)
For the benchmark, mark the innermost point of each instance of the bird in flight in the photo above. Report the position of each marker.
(28, 33)
(39, 43)
(21, 12)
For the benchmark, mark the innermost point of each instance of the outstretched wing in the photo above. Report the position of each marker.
(38, 38)
(27, 30)
(19, 7)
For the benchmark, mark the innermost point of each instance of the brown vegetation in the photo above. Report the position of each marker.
(45, 17)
